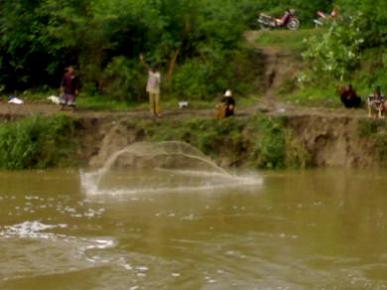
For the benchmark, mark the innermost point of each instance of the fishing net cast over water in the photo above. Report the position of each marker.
(158, 167)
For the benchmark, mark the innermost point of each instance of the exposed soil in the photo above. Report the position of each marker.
(280, 66)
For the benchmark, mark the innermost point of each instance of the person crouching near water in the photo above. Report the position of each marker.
(153, 88)
(349, 97)
(69, 88)
(376, 104)
(226, 108)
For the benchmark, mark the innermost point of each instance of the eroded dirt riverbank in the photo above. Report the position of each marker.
(312, 136)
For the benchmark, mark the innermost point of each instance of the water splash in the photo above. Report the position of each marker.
(58, 253)
(161, 167)
(29, 229)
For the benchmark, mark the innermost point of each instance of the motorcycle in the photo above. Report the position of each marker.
(289, 21)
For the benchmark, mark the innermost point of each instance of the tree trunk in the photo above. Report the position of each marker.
(172, 64)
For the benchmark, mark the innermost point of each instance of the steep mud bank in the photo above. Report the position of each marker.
(298, 140)
(335, 141)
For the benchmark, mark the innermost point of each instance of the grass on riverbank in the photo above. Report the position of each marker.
(256, 142)
(104, 103)
(259, 141)
(285, 40)
(37, 142)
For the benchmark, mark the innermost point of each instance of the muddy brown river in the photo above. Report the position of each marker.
(322, 229)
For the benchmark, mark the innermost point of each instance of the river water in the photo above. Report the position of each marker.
(322, 229)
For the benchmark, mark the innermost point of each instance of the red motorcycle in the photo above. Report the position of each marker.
(289, 20)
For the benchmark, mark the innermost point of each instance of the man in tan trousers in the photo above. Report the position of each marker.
(153, 88)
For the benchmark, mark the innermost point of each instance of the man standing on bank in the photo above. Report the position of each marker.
(153, 87)
(69, 88)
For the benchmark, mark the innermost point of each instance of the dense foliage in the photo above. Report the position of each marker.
(336, 52)
(104, 39)
(356, 40)
(36, 142)
(196, 43)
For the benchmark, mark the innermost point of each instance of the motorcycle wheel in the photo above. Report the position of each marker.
(294, 24)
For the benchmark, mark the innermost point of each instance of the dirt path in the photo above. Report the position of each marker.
(12, 112)
(281, 65)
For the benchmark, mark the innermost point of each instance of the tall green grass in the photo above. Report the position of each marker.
(294, 41)
(37, 142)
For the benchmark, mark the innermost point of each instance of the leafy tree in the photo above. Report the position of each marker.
(197, 43)
(336, 52)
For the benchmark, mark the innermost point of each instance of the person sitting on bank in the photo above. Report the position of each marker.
(227, 106)
(69, 88)
(349, 97)
(376, 104)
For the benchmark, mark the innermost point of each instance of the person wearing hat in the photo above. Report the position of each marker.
(227, 107)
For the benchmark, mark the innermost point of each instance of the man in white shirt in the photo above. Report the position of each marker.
(153, 88)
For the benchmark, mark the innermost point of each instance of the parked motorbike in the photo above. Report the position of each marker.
(289, 21)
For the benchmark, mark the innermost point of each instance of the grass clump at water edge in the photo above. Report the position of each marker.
(37, 143)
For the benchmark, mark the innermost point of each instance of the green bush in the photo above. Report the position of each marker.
(191, 80)
(337, 52)
(124, 80)
(269, 150)
(206, 78)
(36, 142)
